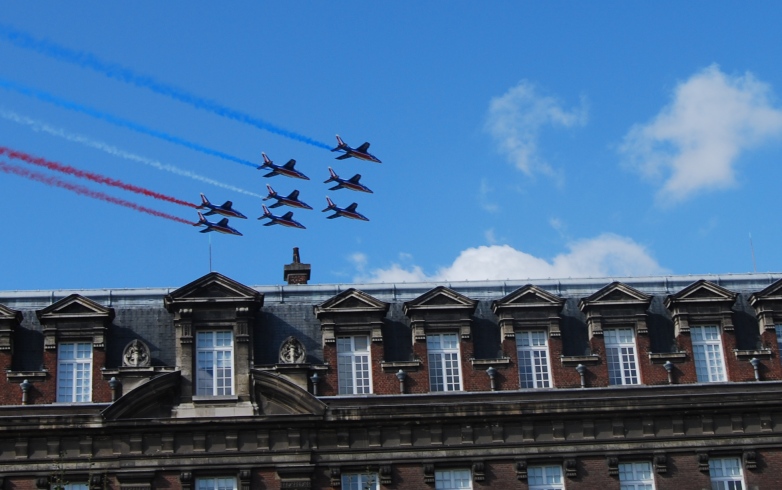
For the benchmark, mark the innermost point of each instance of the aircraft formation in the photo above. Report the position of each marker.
(292, 200)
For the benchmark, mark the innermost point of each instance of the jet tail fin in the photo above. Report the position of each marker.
(266, 161)
(272, 193)
(340, 144)
(201, 219)
(331, 205)
(204, 202)
(333, 177)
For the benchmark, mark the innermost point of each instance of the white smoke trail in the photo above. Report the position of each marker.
(41, 126)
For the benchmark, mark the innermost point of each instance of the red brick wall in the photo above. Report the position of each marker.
(418, 381)
(329, 381)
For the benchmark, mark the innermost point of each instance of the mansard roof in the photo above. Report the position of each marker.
(75, 307)
(440, 298)
(210, 289)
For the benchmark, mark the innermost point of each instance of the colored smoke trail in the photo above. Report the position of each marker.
(114, 151)
(52, 99)
(67, 169)
(118, 72)
(84, 191)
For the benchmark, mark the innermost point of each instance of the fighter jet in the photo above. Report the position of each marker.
(286, 170)
(284, 220)
(351, 183)
(221, 227)
(226, 209)
(292, 200)
(348, 212)
(360, 152)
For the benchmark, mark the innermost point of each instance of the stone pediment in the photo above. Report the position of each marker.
(442, 298)
(768, 306)
(75, 307)
(701, 291)
(351, 300)
(772, 292)
(616, 293)
(212, 288)
(528, 296)
(351, 312)
(9, 315)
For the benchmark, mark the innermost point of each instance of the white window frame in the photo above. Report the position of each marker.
(726, 474)
(216, 483)
(74, 372)
(778, 328)
(708, 354)
(360, 481)
(636, 475)
(532, 354)
(454, 479)
(214, 363)
(545, 477)
(445, 366)
(621, 357)
(354, 365)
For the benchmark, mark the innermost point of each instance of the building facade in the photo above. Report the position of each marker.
(664, 383)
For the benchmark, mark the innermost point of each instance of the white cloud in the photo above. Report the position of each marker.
(694, 143)
(603, 256)
(516, 118)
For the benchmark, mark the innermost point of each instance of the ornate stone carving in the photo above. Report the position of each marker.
(292, 351)
(521, 469)
(136, 354)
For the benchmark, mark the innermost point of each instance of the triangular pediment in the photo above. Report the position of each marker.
(73, 307)
(769, 293)
(441, 297)
(352, 300)
(617, 292)
(213, 287)
(530, 295)
(7, 314)
(704, 290)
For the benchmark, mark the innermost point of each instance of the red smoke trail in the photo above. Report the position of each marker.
(67, 169)
(84, 191)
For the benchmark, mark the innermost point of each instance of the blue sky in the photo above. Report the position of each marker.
(518, 139)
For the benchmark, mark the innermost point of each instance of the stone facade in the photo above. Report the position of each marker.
(300, 386)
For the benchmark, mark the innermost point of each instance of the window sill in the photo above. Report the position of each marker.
(200, 400)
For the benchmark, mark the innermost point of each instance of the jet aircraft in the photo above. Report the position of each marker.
(221, 227)
(361, 152)
(226, 209)
(292, 200)
(286, 170)
(348, 212)
(284, 220)
(351, 183)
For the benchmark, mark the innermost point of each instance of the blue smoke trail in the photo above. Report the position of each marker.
(47, 97)
(118, 72)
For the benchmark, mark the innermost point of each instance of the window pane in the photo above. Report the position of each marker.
(533, 359)
(452, 479)
(214, 363)
(444, 363)
(707, 352)
(353, 365)
(74, 372)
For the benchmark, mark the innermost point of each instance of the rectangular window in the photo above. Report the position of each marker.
(444, 368)
(707, 351)
(452, 479)
(69, 486)
(74, 372)
(214, 363)
(353, 363)
(533, 359)
(620, 356)
(636, 476)
(360, 481)
(778, 328)
(545, 478)
(216, 484)
(726, 474)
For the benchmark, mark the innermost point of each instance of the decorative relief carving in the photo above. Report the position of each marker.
(613, 465)
(478, 471)
(571, 469)
(336, 476)
(428, 473)
(660, 463)
(136, 354)
(703, 462)
(292, 351)
(385, 474)
(750, 460)
(521, 469)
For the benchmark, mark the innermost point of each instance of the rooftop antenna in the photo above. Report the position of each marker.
(210, 253)
(752, 249)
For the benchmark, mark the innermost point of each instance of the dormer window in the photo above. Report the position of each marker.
(353, 365)
(707, 351)
(620, 356)
(74, 372)
(444, 363)
(214, 363)
(532, 347)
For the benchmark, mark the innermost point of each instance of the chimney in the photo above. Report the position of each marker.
(296, 272)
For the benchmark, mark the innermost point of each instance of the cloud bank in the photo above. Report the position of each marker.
(695, 142)
(603, 256)
(516, 118)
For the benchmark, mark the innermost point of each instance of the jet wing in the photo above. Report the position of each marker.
(342, 157)
(290, 164)
(355, 178)
(294, 195)
(223, 222)
(352, 207)
(227, 205)
(271, 174)
(288, 215)
(363, 148)
(206, 230)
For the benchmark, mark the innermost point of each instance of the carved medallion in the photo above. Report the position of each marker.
(292, 351)
(136, 354)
